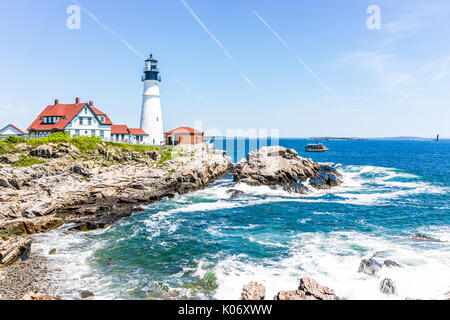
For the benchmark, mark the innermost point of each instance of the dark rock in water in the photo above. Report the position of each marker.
(390, 263)
(369, 266)
(253, 291)
(424, 238)
(387, 286)
(278, 166)
(308, 289)
(296, 188)
(86, 294)
(234, 193)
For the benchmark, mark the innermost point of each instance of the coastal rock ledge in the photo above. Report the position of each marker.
(279, 166)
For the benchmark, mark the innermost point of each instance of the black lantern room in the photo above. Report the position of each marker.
(151, 71)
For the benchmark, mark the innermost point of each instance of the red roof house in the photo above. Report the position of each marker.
(80, 117)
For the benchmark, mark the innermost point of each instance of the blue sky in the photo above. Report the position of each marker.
(307, 68)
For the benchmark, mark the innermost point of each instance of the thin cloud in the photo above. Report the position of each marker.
(225, 51)
(292, 52)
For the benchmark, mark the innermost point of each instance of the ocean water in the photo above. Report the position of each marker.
(204, 245)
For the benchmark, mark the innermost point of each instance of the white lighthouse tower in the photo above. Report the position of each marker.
(151, 118)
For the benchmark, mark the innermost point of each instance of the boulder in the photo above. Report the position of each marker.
(14, 249)
(23, 226)
(308, 289)
(39, 296)
(293, 295)
(44, 151)
(9, 158)
(369, 266)
(390, 263)
(278, 166)
(86, 294)
(234, 193)
(387, 286)
(253, 291)
(312, 288)
(422, 237)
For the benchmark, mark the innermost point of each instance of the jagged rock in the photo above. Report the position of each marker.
(9, 158)
(390, 263)
(39, 296)
(284, 167)
(44, 151)
(423, 237)
(253, 291)
(78, 170)
(387, 286)
(13, 249)
(113, 191)
(369, 266)
(293, 295)
(312, 288)
(308, 289)
(234, 193)
(86, 294)
(29, 226)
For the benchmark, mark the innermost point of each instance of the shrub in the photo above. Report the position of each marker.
(87, 143)
(25, 161)
(13, 140)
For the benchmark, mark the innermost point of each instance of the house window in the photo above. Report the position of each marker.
(77, 133)
(86, 133)
(102, 134)
(85, 110)
(157, 119)
(89, 121)
(81, 120)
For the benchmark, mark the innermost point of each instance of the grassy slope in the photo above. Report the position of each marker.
(86, 145)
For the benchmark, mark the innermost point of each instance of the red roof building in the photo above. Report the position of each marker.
(121, 133)
(83, 119)
(184, 135)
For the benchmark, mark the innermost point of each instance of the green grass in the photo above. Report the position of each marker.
(167, 155)
(25, 161)
(86, 145)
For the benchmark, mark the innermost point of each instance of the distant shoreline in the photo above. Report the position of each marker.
(336, 138)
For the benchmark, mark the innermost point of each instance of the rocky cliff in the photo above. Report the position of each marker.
(92, 189)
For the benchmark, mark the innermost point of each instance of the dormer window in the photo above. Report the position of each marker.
(85, 110)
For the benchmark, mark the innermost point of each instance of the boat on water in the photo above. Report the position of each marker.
(317, 147)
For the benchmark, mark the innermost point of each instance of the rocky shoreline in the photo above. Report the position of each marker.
(92, 190)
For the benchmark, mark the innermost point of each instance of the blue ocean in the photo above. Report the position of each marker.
(204, 245)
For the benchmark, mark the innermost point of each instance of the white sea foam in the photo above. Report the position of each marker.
(333, 260)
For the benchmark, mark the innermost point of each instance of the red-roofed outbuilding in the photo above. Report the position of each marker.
(184, 135)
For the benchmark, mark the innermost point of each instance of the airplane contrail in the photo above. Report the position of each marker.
(225, 51)
(127, 44)
(293, 53)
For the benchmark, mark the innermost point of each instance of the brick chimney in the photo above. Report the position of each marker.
(56, 102)
(77, 100)
(91, 104)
